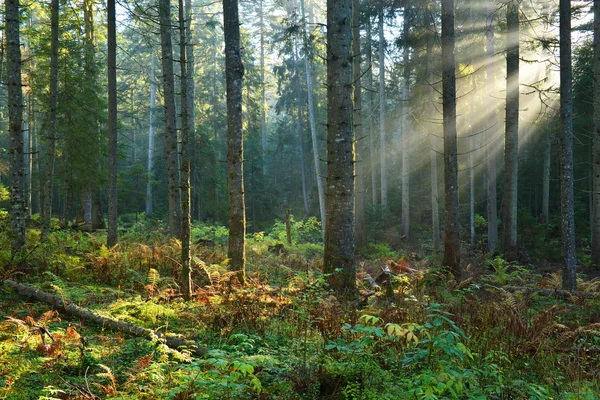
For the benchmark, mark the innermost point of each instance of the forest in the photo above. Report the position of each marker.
(299, 199)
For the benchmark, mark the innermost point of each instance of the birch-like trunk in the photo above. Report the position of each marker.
(339, 236)
(170, 119)
(382, 128)
(112, 125)
(151, 138)
(492, 206)
(452, 236)
(234, 73)
(15, 126)
(569, 261)
(311, 120)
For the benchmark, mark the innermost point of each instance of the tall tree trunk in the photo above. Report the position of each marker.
(360, 182)
(511, 143)
(472, 165)
(112, 125)
(372, 139)
(186, 221)
(311, 121)
(170, 119)
(234, 73)
(452, 238)
(339, 236)
(566, 150)
(27, 157)
(405, 224)
(51, 138)
(15, 126)
(263, 107)
(492, 206)
(299, 122)
(191, 110)
(151, 138)
(382, 128)
(547, 167)
(596, 145)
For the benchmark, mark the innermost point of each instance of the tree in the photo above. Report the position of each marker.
(51, 139)
(339, 236)
(405, 226)
(360, 229)
(596, 145)
(452, 237)
(511, 143)
(15, 126)
(382, 128)
(569, 262)
(170, 119)
(112, 125)
(150, 169)
(492, 207)
(234, 73)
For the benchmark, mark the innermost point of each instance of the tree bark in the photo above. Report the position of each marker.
(112, 125)
(186, 222)
(452, 237)
(170, 119)
(596, 144)
(339, 236)
(382, 127)
(67, 307)
(51, 138)
(311, 120)
(569, 262)
(300, 125)
(405, 223)
(191, 109)
(360, 181)
(151, 138)
(234, 73)
(263, 107)
(372, 138)
(15, 126)
(546, 179)
(492, 207)
(511, 143)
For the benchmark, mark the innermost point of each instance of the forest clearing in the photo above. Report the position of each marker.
(300, 199)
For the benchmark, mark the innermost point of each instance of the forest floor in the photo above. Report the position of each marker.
(422, 335)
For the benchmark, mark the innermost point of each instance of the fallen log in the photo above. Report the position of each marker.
(61, 305)
(551, 292)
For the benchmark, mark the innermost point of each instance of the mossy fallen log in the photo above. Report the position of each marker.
(61, 305)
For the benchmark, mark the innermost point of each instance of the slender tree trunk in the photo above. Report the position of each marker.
(112, 125)
(360, 182)
(472, 167)
(234, 73)
(27, 157)
(511, 143)
(546, 179)
(566, 150)
(263, 125)
(300, 130)
(15, 126)
(372, 139)
(311, 120)
(382, 127)
(186, 221)
(596, 145)
(405, 224)
(339, 236)
(191, 109)
(51, 139)
(492, 207)
(452, 237)
(151, 138)
(170, 120)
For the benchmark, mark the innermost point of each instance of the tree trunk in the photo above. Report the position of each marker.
(186, 222)
(472, 150)
(234, 73)
(191, 110)
(263, 107)
(15, 126)
(311, 120)
(596, 145)
(492, 207)
(339, 236)
(546, 179)
(151, 139)
(511, 142)
(170, 119)
(51, 138)
(405, 224)
(360, 181)
(382, 127)
(372, 139)
(566, 150)
(452, 238)
(112, 125)
(300, 130)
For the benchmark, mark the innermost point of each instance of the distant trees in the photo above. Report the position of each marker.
(112, 124)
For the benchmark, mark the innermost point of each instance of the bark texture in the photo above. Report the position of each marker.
(596, 145)
(511, 141)
(170, 119)
(569, 262)
(300, 127)
(405, 224)
(492, 207)
(112, 125)
(382, 127)
(372, 138)
(339, 236)
(234, 73)
(15, 126)
(452, 237)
